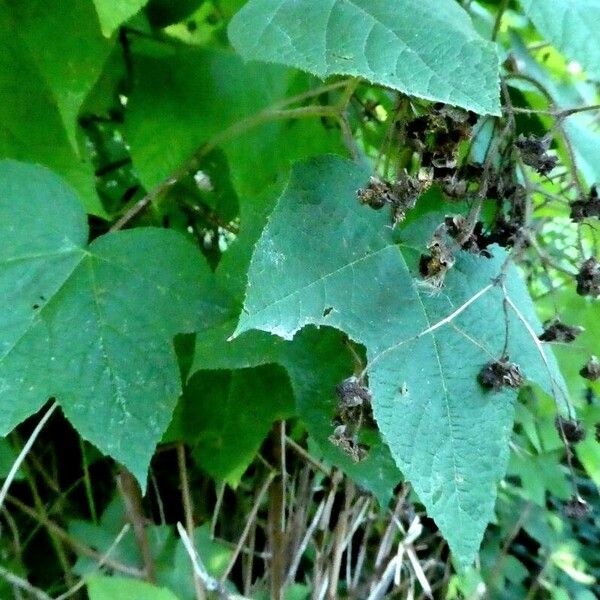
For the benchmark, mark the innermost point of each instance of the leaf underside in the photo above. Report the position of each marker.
(342, 265)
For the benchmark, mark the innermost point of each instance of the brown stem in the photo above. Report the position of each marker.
(132, 498)
(248, 525)
(73, 543)
(276, 524)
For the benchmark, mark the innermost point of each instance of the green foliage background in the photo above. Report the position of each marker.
(185, 263)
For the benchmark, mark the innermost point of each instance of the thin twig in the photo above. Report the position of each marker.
(251, 517)
(567, 112)
(23, 584)
(26, 448)
(188, 511)
(101, 562)
(302, 453)
(432, 328)
(217, 510)
(75, 544)
(208, 581)
(538, 345)
(237, 129)
(276, 517)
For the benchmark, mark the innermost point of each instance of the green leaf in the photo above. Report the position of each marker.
(341, 265)
(176, 571)
(226, 416)
(315, 361)
(571, 25)
(123, 588)
(113, 13)
(7, 459)
(427, 49)
(32, 128)
(69, 62)
(91, 325)
(174, 86)
(583, 312)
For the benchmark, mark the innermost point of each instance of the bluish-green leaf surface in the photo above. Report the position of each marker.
(71, 61)
(340, 264)
(425, 48)
(572, 26)
(315, 361)
(91, 325)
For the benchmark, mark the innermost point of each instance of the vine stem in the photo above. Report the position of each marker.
(23, 584)
(24, 451)
(560, 114)
(209, 582)
(75, 544)
(235, 130)
(540, 349)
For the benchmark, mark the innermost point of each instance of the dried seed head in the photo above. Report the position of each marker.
(434, 266)
(401, 196)
(576, 508)
(377, 194)
(586, 207)
(501, 373)
(534, 152)
(571, 430)
(406, 193)
(453, 187)
(556, 331)
(476, 242)
(588, 278)
(351, 393)
(348, 444)
(591, 369)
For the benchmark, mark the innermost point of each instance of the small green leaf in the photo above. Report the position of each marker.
(226, 416)
(91, 325)
(113, 13)
(7, 458)
(571, 25)
(123, 588)
(341, 265)
(427, 49)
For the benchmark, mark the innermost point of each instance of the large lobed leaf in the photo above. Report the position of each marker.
(91, 325)
(427, 48)
(323, 259)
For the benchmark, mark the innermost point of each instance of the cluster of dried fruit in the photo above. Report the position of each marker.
(353, 410)
(433, 142)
